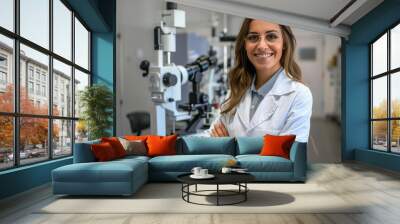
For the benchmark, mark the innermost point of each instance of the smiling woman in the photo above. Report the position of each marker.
(267, 95)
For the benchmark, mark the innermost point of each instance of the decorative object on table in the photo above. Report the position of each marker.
(200, 173)
(227, 167)
(96, 102)
(196, 170)
(237, 170)
(226, 170)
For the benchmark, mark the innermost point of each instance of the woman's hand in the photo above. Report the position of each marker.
(219, 130)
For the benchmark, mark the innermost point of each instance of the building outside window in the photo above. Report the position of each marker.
(385, 91)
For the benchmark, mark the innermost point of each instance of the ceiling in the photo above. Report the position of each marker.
(312, 15)
(321, 9)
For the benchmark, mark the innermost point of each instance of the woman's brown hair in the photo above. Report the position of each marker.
(241, 76)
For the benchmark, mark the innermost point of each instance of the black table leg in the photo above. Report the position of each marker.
(245, 193)
(217, 194)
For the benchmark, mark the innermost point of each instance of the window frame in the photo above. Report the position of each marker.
(388, 74)
(16, 114)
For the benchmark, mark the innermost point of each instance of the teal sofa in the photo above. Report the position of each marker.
(125, 176)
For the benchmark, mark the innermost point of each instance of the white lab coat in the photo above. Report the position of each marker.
(285, 109)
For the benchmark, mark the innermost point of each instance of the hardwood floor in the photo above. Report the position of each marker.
(354, 182)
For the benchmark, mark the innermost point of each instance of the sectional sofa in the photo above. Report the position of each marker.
(125, 176)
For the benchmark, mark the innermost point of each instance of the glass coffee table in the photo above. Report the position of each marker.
(238, 179)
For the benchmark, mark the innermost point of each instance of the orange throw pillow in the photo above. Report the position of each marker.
(103, 151)
(161, 145)
(277, 145)
(116, 145)
(135, 137)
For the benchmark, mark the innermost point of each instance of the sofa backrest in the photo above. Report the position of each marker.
(249, 145)
(194, 145)
(83, 152)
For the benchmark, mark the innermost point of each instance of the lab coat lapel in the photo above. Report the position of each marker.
(243, 110)
(264, 111)
(283, 85)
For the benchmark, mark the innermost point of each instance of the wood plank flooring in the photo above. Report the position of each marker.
(354, 182)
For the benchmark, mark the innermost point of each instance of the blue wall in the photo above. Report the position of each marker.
(100, 17)
(24, 178)
(355, 92)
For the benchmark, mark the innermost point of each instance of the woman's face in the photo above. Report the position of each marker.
(264, 44)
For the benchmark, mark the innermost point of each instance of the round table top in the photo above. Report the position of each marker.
(220, 178)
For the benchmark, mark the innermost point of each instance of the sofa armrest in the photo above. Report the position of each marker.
(83, 152)
(298, 155)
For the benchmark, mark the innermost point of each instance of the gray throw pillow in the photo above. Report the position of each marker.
(135, 147)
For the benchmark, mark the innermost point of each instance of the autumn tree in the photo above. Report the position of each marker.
(33, 131)
(380, 127)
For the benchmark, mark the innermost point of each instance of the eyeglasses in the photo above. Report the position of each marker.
(256, 37)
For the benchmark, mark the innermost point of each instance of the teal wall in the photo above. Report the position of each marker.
(103, 52)
(100, 17)
(24, 178)
(355, 86)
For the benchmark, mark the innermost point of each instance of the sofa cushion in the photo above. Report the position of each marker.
(116, 145)
(257, 163)
(103, 152)
(249, 145)
(196, 145)
(161, 145)
(277, 145)
(134, 147)
(111, 171)
(185, 163)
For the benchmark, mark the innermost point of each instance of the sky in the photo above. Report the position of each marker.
(379, 59)
(34, 26)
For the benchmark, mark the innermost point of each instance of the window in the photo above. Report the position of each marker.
(81, 45)
(3, 61)
(37, 75)
(30, 72)
(385, 94)
(3, 78)
(6, 74)
(62, 29)
(3, 72)
(45, 131)
(62, 74)
(44, 91)
(35, 21)
(7, 14)
(38, 89)
(30, 87)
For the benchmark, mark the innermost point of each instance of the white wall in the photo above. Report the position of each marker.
(135, 22)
